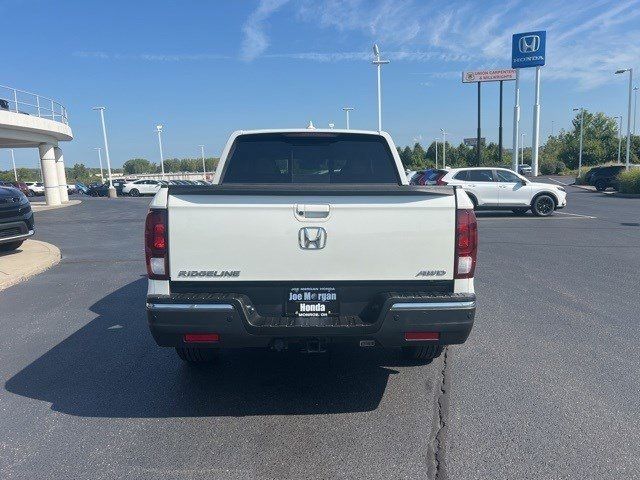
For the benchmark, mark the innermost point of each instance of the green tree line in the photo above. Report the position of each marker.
(559, 153)
(142, 165)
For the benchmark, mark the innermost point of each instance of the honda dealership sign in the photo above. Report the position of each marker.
(528, 49)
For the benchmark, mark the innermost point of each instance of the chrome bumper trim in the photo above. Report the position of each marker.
(435, 306)
(22, 236)
(190, 307)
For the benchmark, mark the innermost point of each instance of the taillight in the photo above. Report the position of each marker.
(466, 244)
(156, 246)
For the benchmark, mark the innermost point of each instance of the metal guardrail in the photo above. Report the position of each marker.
(27, 103)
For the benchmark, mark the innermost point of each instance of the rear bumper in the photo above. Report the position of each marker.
(172, 317)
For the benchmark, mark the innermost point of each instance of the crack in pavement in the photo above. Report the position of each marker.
(442, 420)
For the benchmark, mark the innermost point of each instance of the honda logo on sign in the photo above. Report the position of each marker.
(529, 44)
(312, 238)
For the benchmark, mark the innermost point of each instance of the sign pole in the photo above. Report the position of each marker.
(536, 125)
(516, 124)
(500, 128)
(479, 131)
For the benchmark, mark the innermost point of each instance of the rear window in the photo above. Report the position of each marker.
(310, 158)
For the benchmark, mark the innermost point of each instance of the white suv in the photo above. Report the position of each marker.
(499, 188)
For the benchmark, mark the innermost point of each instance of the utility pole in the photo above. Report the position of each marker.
(347, 110)
(522, 147)
(204, 167)
(635, 107)
(630, 70)
(100, 160)
(500, 129)
(478, 147)
(378, 63)
(516, 123)
(13, 162)
(436, 153)
(159, 129)
(112, 190)
(444, 148)
(581, 132)
(535, 140)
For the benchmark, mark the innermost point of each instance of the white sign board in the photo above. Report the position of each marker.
(489, 75)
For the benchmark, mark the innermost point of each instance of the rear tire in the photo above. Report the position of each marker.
(543, 205)
(9, 247)
(422, 354)
(134, 192)
(519, 211)
(600, 185)
(194, 355)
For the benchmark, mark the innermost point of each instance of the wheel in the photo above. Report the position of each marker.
(424, 353)
(95, 194)
(519, 211)
(9, 247)
(543, 206)
(134, 192)
(600, 185)
(196, 355)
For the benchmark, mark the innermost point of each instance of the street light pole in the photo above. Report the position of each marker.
(619, 117)
(100, 160)
(444, 148)
(436, 153)
(13, 162)
(112, 190)
(516, 123)
(635, 107)
(204, 167)
(347, 110)
(378, 63)
(522, 147)
(630, 70)
(581, 132)
(159, 129)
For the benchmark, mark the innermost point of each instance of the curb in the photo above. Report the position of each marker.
(43, 207)
(32, 258)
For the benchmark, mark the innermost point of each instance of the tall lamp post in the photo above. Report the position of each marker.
(204, 167)
(347, 110)
(619, 117)
(378, 63)
(112, 190)
(444, 148)
(581, 109)
(159, 129)
(619, 72)
(100, 160)
(635, 107)
(522, 148)
(436, 153)
(13, 162)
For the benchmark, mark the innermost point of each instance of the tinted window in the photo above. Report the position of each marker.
(310, 158)
(506, 176)
(461, 175)
(479, 176)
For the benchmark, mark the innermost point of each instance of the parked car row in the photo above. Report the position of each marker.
(498, 189)
(133, 188)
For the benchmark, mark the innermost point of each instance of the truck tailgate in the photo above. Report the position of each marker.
(314, 237)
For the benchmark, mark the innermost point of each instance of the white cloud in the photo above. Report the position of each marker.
(255, 40)
(151, 57)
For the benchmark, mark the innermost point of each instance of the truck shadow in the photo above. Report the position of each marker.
(112, 368)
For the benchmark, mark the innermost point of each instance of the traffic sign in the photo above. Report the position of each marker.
(489, 75)
(528, 49)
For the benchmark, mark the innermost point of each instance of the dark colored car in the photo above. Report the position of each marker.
(82, 188)
(16, 219)
(430, 176)
(98, 189)
(604, 177)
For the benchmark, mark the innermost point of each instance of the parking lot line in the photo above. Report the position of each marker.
(575, 215)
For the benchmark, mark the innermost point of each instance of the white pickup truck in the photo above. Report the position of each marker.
(308, 238)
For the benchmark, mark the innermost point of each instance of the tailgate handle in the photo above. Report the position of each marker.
(312, 212)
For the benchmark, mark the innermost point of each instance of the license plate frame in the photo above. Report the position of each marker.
(312, 302)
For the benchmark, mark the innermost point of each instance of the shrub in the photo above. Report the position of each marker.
(551, 167)
(630, 181)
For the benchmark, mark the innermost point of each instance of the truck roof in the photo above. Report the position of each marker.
(308, 130)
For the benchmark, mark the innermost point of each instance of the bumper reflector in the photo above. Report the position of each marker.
(201, 338)
(413, 336)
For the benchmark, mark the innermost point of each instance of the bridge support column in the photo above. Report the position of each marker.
(49, 173)
(62, 175)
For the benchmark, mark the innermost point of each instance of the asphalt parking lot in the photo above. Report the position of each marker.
(546, 387)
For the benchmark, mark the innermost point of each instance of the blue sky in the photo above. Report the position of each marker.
(206, 68)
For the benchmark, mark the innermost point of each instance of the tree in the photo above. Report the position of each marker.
(79, 171)
(138, 165)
